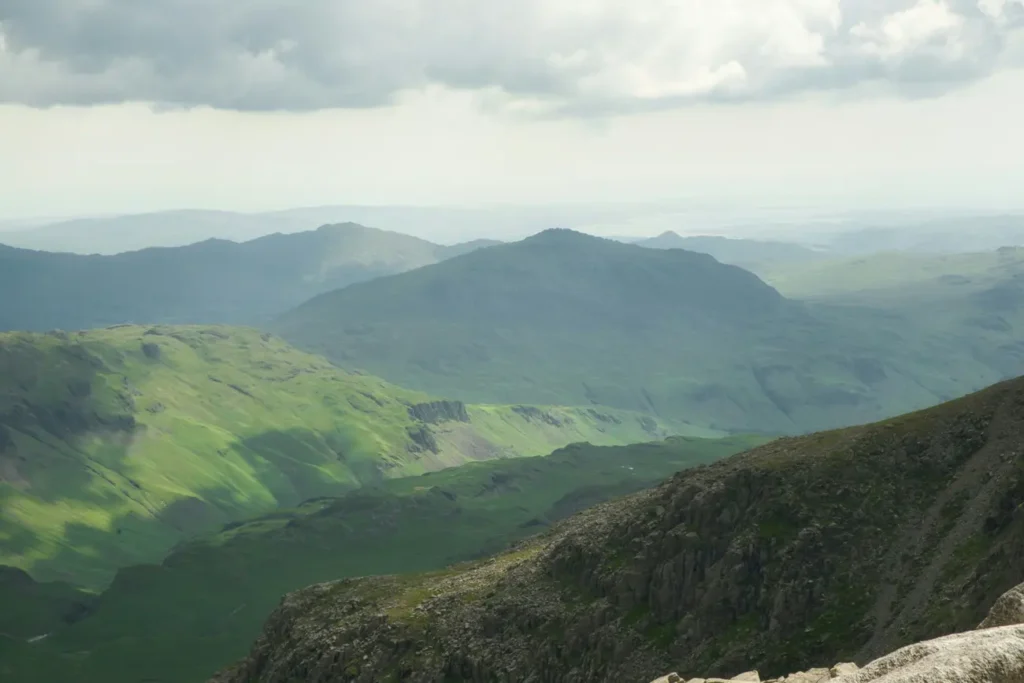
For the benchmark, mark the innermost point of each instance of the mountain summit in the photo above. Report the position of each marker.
(568, 318)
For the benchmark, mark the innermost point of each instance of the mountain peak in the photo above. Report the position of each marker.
(561, 235)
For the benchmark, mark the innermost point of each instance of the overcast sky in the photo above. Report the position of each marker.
(132, 105)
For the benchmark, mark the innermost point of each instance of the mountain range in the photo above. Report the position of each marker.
(215, 281)
(164, 483)
(746, 253)
(567, 318)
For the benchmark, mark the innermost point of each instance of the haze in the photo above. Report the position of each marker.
(121, 108)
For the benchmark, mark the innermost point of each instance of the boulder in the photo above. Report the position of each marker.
(1008, 609)
(992, 655)
(843, 669)
(811, 676)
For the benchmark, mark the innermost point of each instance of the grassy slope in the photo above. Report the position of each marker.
(837, 546)
(110, 456)
(210, 598)
(567, 318)
(215, 281)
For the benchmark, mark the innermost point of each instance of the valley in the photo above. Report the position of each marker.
(117, 444)
(210, 596)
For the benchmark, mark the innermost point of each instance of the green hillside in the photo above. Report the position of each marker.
(566, 318)
(210, 597)
(117, 444)
(215, 281)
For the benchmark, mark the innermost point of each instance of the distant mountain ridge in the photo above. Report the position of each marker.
(568, 318)
(747, 253)
(211, 282)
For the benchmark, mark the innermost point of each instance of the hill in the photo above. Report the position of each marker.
(210, 597)
(746, 253)
(947, 234)
(838, 546)
(897, 279)
(566, 318)
(973, 301)
(117, 444)
(176, 228)
(211, 282)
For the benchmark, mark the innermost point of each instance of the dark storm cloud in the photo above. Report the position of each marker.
(569, 56)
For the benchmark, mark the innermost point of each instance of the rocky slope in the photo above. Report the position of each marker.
(839, 546)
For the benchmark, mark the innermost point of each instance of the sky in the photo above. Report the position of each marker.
(119, 106)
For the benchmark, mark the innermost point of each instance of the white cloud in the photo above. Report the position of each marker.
(545, 56)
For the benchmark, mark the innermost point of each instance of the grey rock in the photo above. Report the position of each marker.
(1008, 609)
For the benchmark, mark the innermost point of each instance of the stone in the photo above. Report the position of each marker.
(843, 669)
(1008, 609)
(671, 678)
(749, 676)
(810, 676)
(991, 655)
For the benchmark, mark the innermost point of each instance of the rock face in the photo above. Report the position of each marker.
(436, 412)
(839, 546)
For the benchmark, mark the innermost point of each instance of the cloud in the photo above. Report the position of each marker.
(537, 56)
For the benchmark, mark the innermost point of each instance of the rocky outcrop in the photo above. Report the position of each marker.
(839, 546)
(992, 654)
(436, 412)
(1008, 610)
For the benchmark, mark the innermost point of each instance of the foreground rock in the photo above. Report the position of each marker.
(841, 546)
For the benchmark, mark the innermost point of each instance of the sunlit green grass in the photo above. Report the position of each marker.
(179, 622)
(117, 444)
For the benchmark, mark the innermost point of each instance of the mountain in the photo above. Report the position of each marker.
(215, 281)
(898, 279)
(210, 597)
(132, 232)
(567, 318)
(32, 608)
(945, 234)
(746, 253)
(974, 301)
(838, 546)
(117, 444)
